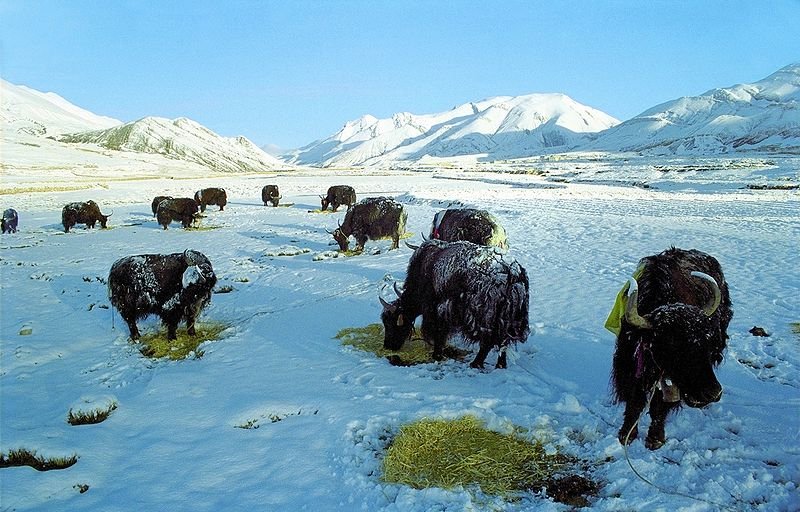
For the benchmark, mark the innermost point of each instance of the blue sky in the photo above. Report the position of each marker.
(289, 72)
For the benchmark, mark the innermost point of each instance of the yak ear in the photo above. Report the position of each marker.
(400, 320)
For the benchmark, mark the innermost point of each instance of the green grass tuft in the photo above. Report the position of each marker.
(462, 453)
(90, 417)
(370, 339)
(156, 345)
(25, 457)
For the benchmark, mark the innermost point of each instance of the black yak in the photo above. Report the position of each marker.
(183, 209)
(338, 195)
(671, 333)
(372, 218)
(270, 194)
(476, 226)
(82, 213)
(460, 287)
(156, 201)
(207, 196)
(173, 286)
(10, 221)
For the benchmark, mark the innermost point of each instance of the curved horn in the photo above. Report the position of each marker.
(423, 237)
(340, 222)
(712, 305)
(385, 304)
(328, 231)
(322, 197)
(632, 315)
(397, 290)
(412, 247)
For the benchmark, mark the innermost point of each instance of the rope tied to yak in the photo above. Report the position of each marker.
(651, 393)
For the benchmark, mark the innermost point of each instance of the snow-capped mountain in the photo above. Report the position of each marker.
(762, 116)
(499, 127)
(181, 139)
(27, 111)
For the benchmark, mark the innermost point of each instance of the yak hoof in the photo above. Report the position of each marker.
(476, 364)
(654, 443)
(623, 434)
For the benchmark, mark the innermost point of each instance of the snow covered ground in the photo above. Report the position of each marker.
(173, 441)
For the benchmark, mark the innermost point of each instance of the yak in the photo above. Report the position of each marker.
(82, 213)
(183, 209)
(338, 195)
(270, 194)
(460, 287)
(156, 201)
(476, 226)
(372, 218)
(671, 333)
(207, 196)
(10, 220)
(173, 286)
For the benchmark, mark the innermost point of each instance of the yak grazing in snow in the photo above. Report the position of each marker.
(82, 213)
(173, 286)
(207, 196)
(183, 209)
(460, 287)
(672, 334)
(338, 195)
(372, 218)
(10, 221)
(476, 226)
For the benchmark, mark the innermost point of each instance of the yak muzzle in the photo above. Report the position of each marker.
(705, 397)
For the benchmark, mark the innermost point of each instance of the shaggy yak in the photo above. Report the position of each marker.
(476, 226)
(82, 213)
(460, 287)
(183, 209)
(173, 286)
(10, 221)
(270, 194)
(372, 218)
(671, 333)
(207, 196)
(156, 201)
(337, 196)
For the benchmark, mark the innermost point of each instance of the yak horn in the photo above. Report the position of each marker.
(328, 231)
(423, 237)
(397, 290)
(712, 305)
(412, 247)
(385, 304)
(632, 315)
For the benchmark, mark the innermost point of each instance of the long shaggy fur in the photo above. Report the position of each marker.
(462, 287)
(372, 219)
(173, 286)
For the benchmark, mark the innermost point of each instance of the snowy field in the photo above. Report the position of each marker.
(173, 441)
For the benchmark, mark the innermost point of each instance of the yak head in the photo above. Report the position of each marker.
(397, 325)
(341, 238)
(324, 202)
(198, 279)
(104, 220)
(683, 340)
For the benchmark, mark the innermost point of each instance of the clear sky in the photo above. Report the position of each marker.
(288, 72)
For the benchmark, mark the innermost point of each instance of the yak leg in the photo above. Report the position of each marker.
(634, 407)
(172, 330)
(501, 359)
(433, 327)
(131, 321)
(360, 242)
(481, 357)
(659, 409)
(395, 242)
